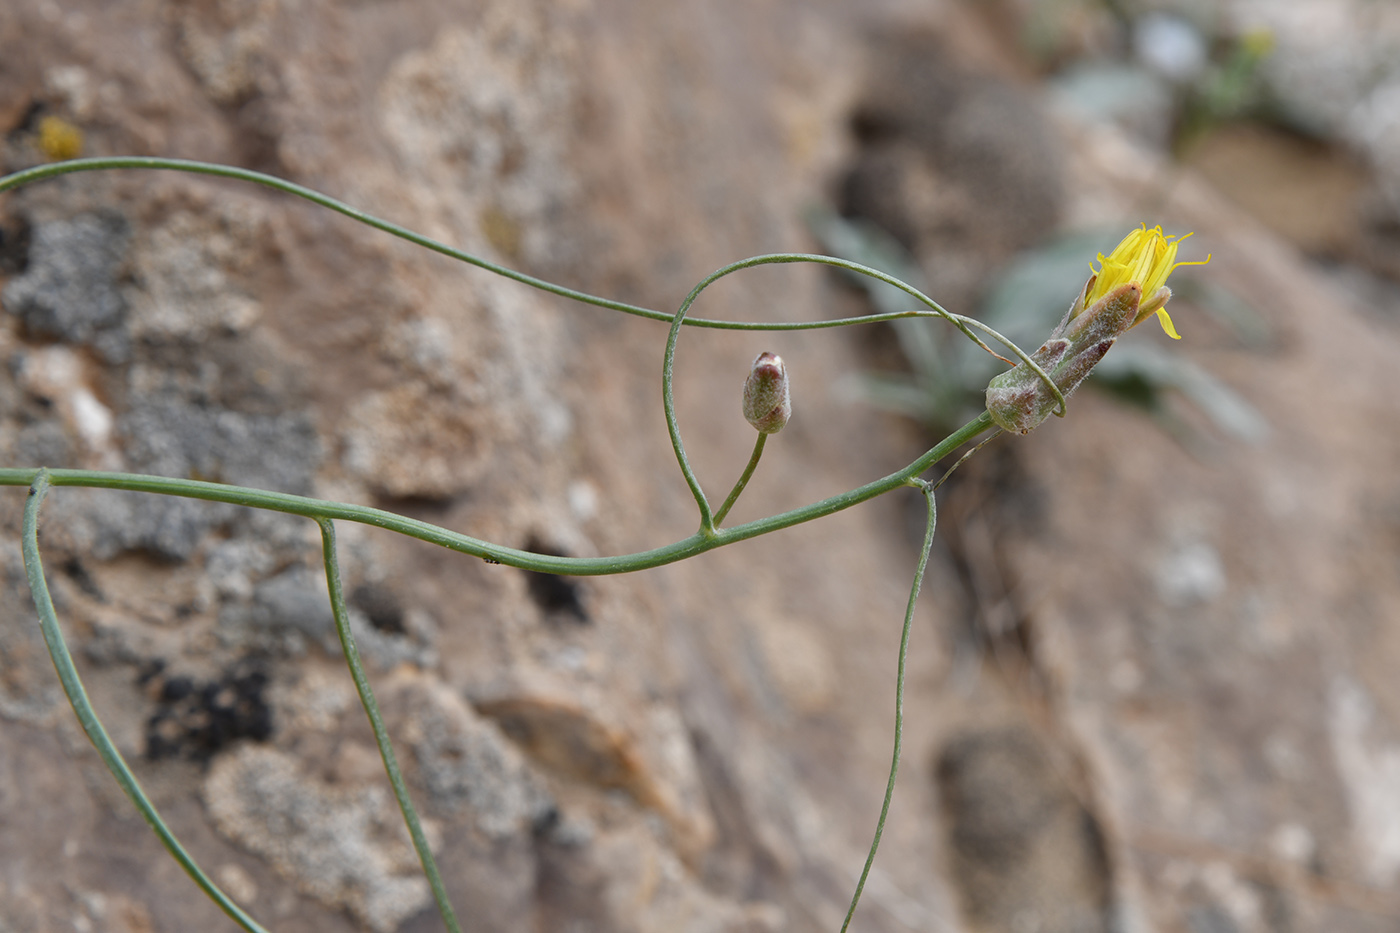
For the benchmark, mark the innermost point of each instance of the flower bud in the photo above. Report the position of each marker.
(767, 399)
(1019, 399)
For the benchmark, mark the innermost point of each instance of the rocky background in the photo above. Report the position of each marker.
(1152, 681)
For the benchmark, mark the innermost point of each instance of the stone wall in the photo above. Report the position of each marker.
(1150, 684)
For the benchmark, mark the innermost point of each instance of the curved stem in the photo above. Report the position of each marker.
(964, 458)
(927, 490)
(673, 428)
(376, 724)
(963, 324)
(87, 716)
(743, 478)
(1035, 367)
(278, 184)
(108, 163)
(434, 534)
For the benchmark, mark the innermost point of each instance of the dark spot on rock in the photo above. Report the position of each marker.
(76, 571)
(381, 606)
(259, 136)
(557, 595)
(571, 889)
(176, 689)
(29, 120)
(196, 720)
(423, 508)
(958, 164)
(546, 821)
(15, 238)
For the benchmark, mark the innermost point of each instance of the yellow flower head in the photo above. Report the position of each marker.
(1145, 258)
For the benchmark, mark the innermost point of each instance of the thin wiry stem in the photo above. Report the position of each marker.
(743, 479)
(963, 459)
(376, 724)
(109, 163)
(927, 490)
(544, 563)
(87, 716)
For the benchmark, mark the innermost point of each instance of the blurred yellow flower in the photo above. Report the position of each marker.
(1145, 258)
(59, 139)
(1258, 42)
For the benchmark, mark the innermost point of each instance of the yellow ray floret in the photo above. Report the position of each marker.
(1145, 258)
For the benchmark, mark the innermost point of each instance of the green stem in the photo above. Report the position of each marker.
(544, 563)
(87, 717)
(376, 723)
(927, 490)
(108, 163)
(743, 479)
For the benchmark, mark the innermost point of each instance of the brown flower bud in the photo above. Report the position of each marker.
(767, 399)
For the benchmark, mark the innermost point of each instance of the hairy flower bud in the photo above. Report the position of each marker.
(1019, 399)
(1128, 287)
(767, 399)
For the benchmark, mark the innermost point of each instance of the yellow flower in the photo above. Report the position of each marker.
(1129, 285)
(1145, 258)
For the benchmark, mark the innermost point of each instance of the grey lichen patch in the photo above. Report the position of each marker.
(1369, 768)
(315, 702)
(43, 442)
(107, 523)
(344, 846)
(233, 566)
(170, 437)
(287, 613)
(185, 272)
(70, 289)
(291, 610)
(295, 599)
(465, 762)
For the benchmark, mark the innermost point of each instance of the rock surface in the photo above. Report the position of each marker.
(1151, 684)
